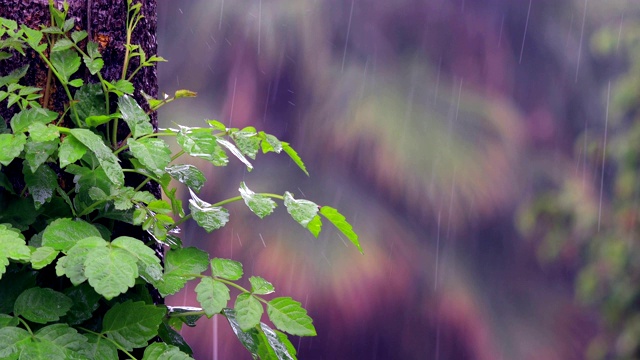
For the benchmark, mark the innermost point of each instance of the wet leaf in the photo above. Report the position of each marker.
(153, 153)
(137, 119)
(302, 211)
(212, 295)
(132, 324)
(288, 316)
(188, 175)
(259, 204)
(63, 234)
(248, 311)
(42, 305)
(226, 269)
(341, 223)
(207, 216)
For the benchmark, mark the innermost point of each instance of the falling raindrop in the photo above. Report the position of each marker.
(604, 153)
(346, 40)
(524, 36)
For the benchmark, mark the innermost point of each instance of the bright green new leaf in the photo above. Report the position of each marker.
(42, 305)
(153, 153)
(288, 316)
(259, 204)
(62, 44)
(208, 217)
(63, 234)
(315, 225)
(302, 211)
(132, 324)
(37, 153)
(260, 286)
(162, 351)
(341, 223)
(105, 156)
(120, 87)
(188, 175)
(66, 63)
(148, 262)
(202, 143)
(43, 256)
(237, 153)
(137, 119)
(270, 143)
(226, 269)
(11, 146)
(212, 295)
(217, 125)
(12, 246)
(39, 132)
(97, 120)
(248, 311)
(33, 36)
(183, 93)
(181, 265)
(111, 271)
(294, 156)
(76, 83)
(22, 120)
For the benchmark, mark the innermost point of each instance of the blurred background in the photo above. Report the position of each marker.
(487, 152)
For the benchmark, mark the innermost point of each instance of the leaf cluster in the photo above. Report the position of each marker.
(76, 184)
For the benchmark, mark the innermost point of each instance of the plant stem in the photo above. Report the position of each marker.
(25, 325)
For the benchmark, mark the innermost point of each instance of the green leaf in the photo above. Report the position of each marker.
(226, 269)
(173, 338)
(73, 265)
(217, 125)
(288, 316)
(315, 225)
(43, 256)
(62, 44)
(22, 120)
(100, 349)
(248, 142)
(237, 153)
(260, 286)
(111, 271)
(294, 156)
(132, 324)
(148, 262)
(11, 146)
(181, 265)
(302, 211)
(161, 351)
(207, 216)
(78, 36)
(183, 93)
(97, 120)
(37, 153)
(249, 339)
(63, 234)
(120, 87)
(39, 132)
(90, 101)
(106, 158)
(278, 343)
(66, 63)
(70, 151)
(259, 204)
(339, 221)
(8, 320)
(12, 246)
(248, 311)
(212, 295)
(33, 36)
(13, 284)
(85, 302)
(12, 341)
(270, 143)
(60, 338)
(42, 305)
(153, 153)
(92, 49)
(94, 65)
(76, 83)
(188, 175)
(202, 143)
(14, 76)
(5, 55)
(134, 116)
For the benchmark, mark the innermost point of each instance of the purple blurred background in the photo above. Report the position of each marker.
(428, 124)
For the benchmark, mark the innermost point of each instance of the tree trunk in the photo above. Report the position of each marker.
(105, 23)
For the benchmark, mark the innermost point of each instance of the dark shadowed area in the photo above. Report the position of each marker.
(466, 141)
